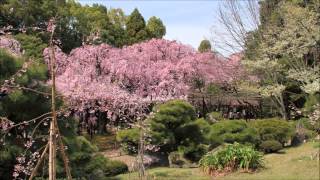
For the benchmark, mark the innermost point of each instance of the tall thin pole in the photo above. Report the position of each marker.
(52, 134)
(34, 172)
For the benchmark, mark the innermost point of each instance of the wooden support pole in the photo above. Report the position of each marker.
(34, 171)
(52, 134)
(64, 156)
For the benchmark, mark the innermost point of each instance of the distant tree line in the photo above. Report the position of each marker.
(78, 24)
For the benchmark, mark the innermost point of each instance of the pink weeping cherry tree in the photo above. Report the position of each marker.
(124, 82)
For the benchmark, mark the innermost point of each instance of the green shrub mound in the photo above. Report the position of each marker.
(231, 157)
(232, 131)
(174, 125)
(275, 130)
(270, 146)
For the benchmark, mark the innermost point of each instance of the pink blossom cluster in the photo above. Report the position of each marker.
(5, 124)
(123, 82)
(11, 45)
(25, 165)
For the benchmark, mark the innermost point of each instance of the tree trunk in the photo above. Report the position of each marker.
(283, 108)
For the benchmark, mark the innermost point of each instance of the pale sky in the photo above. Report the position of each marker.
(186, 21)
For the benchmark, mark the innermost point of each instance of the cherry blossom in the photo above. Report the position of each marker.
(124, 82)
(11, 45)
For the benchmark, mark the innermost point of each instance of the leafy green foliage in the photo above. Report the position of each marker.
(8, 65)
(283, 50)
(32, 45)
(136, 27)
(231, 157)
(79, 152)
(270, 146)
(23, 105)
(274, 129)
(79, 24)
(193, 152)
(171, 126)
(311, 101)
(203, 125)
(205, 46)
(155, 28)
(8, 156)
(28, 13)
(232, 131)
(129, 139)
(214, 116)
(99, 167)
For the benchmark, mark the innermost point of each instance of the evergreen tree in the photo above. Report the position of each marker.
(155, 27)
(205, 46)
(136, 27)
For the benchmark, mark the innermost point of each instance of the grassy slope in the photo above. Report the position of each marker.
(292, 164)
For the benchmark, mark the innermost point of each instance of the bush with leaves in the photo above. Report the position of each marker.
(231, 131)
(231, 157)
(193, 152)
(8, 64)
(214, 116)
(174, 127)
(270, 146)
(171, 126)
(8, 156)
(129, 139)
(32, 45)
(274, 129)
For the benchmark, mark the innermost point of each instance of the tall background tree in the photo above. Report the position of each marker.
(155, 28)
(279, 44)
(78, 24)
(136, 27)
(284, 52)
(205, 46)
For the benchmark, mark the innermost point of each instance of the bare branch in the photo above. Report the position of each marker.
(236, 19)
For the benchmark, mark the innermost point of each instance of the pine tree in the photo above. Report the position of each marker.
(136, 27)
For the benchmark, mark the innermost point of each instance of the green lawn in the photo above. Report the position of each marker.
(291, 164)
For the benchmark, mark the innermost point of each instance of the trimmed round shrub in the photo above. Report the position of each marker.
(172, 125)
(274, 129)
(271, 146)
(231, 157)
(232, 131)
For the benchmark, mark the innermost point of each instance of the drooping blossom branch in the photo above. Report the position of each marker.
(124, 82)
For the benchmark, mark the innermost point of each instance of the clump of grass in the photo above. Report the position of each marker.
(231, 157)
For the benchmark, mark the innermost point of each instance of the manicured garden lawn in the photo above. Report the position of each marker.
(290, 164)
(163, 173)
